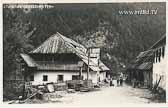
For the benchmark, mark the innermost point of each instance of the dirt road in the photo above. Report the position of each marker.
(107, 96)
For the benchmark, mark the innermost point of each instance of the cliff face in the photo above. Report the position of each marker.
(120, 37)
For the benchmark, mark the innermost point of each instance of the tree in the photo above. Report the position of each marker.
(15, 40)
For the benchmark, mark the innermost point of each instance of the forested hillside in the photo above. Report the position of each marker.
(120, 37)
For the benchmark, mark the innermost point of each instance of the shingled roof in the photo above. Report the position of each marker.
(58, 43)
(145, 66)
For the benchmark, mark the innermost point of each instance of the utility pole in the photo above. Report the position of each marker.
(81, 73)
(98, 72)
(88, 63)
(98, 63)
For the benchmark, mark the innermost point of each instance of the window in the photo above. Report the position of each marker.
(75, 77)
(45, 78)
(163, 51)
(22, 67)
(159, 54)
(31, 77)
(60, 78)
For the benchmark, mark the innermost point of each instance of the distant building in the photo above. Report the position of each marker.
(59, 59)
(150, 66)
(141, 69)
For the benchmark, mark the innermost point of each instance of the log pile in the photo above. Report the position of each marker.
(53, 91)
(60, 86)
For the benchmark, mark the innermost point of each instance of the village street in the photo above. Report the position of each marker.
(106, 96)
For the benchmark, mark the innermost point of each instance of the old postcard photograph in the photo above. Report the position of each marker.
(84, 54)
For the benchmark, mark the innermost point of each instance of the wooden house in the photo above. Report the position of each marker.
(141, 69)
(59, 59)
(145, 67)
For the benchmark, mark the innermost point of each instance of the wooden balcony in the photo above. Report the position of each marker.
(49, 65)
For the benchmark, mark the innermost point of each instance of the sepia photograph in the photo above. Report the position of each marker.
(84, 54)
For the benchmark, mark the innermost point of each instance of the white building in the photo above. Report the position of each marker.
(59, 59)
(160, 63)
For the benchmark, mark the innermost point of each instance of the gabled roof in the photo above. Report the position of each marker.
(145, 66)
(58, 43)
(143, 61)
(145, 54)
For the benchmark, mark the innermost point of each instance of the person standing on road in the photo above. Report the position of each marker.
(134, 83)
(121, 79)
(111, 83)
(118, 81)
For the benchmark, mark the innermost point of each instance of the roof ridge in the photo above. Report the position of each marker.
(64, 37)
(43, 42)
